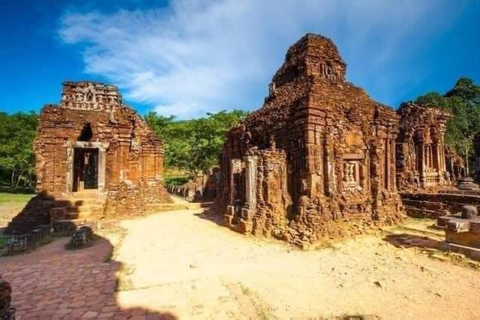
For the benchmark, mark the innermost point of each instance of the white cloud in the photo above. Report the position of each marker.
(201, 56)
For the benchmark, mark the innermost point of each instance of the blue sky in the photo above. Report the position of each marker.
(189, 57)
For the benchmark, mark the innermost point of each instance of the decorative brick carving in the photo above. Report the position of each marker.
(317, 160)
(421, 158)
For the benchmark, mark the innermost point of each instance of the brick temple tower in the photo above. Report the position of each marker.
(96, 155)
(318, 159)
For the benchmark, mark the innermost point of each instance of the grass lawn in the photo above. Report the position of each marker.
(176, 177)
(3, 242)
(10, 205)
(15, 197)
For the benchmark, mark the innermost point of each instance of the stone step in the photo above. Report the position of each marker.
(84, 198)
(80, 202)
(470, 252)
(423, 231)
(422, 213)
(424, 204)
(71, 215)
(88, 206)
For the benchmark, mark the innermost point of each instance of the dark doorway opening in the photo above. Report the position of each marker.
(85, 169)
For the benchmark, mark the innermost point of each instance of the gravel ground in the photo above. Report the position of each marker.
(185, 264)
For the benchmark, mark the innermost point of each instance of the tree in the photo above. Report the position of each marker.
(17, 159)
(193, 145)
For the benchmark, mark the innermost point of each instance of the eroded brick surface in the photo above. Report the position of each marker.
(318, 159)
(201, 188)
(422, 159)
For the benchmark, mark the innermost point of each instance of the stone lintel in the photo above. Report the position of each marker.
(353, 156)
(88, 145)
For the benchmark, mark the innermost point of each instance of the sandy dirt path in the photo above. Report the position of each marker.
(181, 263)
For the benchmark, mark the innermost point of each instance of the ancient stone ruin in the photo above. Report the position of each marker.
(431, 177)
(455, 165)
(421, 147)
(95, 158)
(199, 189)
(462, 231)
(317, 160)
(476, 145)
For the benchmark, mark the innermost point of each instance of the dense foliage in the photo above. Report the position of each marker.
(463, 102)
(17, 160)
(193, 145)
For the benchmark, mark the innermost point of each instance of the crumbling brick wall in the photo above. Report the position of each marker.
(127, 156)
(317, 160)
(476, 145)
(201, 188)
(421, 153)
(455, 165)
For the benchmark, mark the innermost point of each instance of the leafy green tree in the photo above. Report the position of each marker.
(194, 145)
(17, 159)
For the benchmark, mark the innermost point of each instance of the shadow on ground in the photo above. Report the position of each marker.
(409, 240)
(210, 216)
(54, 283)
(37, 212)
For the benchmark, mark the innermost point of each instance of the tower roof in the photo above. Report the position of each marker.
(312, 55)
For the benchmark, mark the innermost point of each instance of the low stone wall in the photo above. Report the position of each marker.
(26, 241)
(200, 189)
(433, 205)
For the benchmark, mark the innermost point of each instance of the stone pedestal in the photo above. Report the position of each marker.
(248, 214)
(467, 183)
(462, 235)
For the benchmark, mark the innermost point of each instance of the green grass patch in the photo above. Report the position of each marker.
(176, 177)
(3, 242)
(15, 197)
(176, 181)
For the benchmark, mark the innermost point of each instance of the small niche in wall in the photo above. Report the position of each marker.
(86, 134)
(351, 170)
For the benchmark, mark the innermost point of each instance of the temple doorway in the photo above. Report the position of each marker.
(85, 169)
